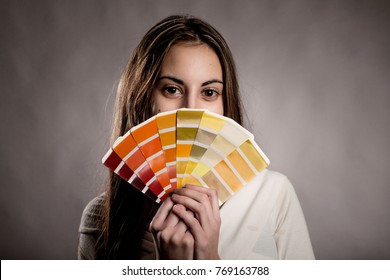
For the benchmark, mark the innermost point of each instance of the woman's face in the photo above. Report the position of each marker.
(190, 77)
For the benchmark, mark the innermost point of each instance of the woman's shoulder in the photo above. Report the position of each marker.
(93, 215)
(270, 188)
(271, 174)
(280, 194)
(275, 180)
(266, 188)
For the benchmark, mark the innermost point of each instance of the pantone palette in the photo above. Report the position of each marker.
(186, 146)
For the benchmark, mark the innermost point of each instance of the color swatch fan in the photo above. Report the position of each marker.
(186, 146)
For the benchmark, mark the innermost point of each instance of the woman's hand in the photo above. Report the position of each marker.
(171, 234)
(203, 219)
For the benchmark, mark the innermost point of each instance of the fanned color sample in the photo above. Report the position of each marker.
(187, 129)
(186, 146)
(166, 124)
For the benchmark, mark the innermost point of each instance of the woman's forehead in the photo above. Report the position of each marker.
(191, 62)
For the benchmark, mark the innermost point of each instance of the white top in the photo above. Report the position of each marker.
(264, 220)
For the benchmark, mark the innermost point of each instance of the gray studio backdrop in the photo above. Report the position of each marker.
(315, 81)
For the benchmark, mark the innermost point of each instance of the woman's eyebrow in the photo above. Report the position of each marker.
(211, 82)
(176, 80)
(180, 82)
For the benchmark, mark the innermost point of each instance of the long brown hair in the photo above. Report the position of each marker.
(127, 212)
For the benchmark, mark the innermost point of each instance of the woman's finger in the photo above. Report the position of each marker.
(163, 217)
(205, 225)
(181, 226)
(188, 218)
(198, 203)
(211, 193)
(201, 201)
(176, 242)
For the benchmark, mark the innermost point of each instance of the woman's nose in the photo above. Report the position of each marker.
(191, 101)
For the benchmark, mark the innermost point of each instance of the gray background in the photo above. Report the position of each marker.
(315, 82)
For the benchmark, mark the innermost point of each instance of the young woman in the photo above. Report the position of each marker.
(183, 62)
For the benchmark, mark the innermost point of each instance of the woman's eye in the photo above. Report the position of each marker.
(209, 93)
(171, 90)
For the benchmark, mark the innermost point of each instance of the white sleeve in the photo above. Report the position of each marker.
(291, 234)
